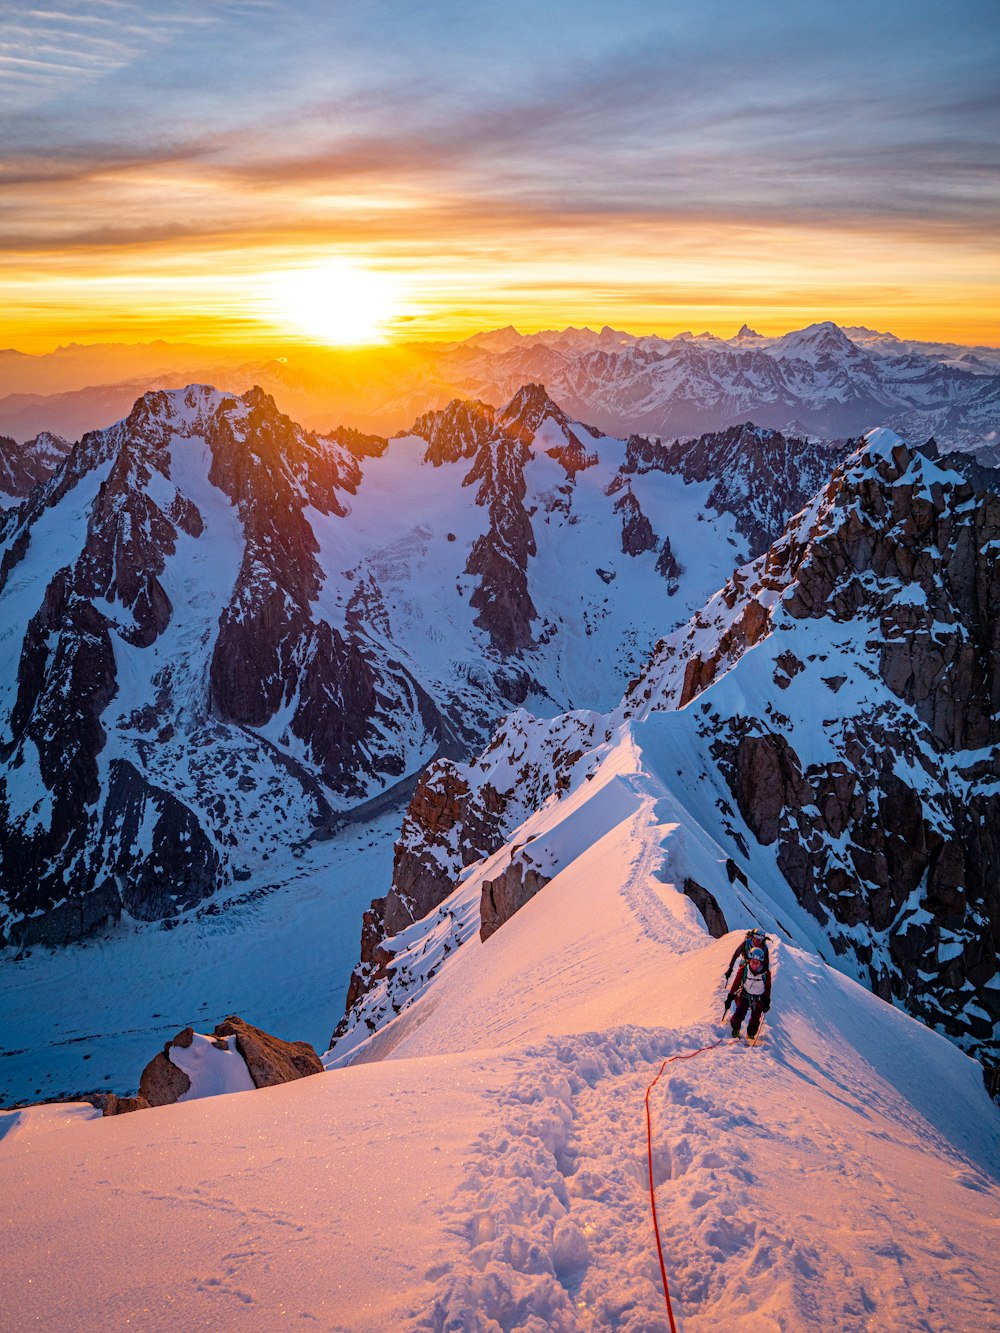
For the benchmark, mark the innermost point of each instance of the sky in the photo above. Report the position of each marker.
(230, 170)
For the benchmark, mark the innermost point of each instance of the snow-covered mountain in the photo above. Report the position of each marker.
(823, 741)
(24, 466)
(225, 634)
(822, 381)
(815, 380)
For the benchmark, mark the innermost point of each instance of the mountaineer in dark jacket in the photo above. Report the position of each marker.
(754, 939)
(751, 993)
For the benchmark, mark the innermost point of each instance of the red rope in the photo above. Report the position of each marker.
(649, 1157)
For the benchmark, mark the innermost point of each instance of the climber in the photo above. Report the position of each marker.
(754, 939)
(751, 991)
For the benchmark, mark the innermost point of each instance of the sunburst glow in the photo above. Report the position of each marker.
(336, 302)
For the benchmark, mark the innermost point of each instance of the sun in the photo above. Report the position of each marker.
(336, 302)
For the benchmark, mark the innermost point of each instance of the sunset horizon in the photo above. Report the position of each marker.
(257, 304)
(702, 168)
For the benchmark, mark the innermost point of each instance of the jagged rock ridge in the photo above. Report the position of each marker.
(24, 466)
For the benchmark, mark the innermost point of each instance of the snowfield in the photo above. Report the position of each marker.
(481, 1165)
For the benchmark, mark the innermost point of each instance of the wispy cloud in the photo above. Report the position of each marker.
(448, 128)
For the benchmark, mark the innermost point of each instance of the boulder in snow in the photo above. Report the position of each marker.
(237, 1057)
(269, 1059)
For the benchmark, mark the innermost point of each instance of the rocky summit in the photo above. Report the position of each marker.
(24, 466)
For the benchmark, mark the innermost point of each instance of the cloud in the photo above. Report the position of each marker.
(664, 133)
(419, 129)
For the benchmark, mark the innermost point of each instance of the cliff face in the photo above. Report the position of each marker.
(866, 755)
(759, 475)
(24, 466)
(461, 815)
(837, 706)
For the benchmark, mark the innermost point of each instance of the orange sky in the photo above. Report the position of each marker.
(637, 275)
(201, 174)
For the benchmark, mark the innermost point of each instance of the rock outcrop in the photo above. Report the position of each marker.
(162, 1082)
(706, 903)
(637, 531)
(268, 1060)
(517, 884)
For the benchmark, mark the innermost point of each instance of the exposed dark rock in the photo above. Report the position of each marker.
(358, 443)
(710, 910)
(668, 566)
(25, 466)
(857, 841)
(161, 856)
(269, 1059)
(507, 893)
(459, 431)
(66, 679)
(162, 1083)
(637, 531)
(115, 1105)
(766, 780)
(353, 714)
(759, 475)
(428, 857)
(264, 464)
(499, 558)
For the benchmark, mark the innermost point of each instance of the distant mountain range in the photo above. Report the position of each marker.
(823, 381)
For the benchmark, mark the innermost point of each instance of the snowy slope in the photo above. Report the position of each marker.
(825, 724)
(490, 1173)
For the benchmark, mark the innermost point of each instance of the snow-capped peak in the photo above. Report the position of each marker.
(881, 441)
(815, 341)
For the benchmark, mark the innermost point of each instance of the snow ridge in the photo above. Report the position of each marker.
(866, 833)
